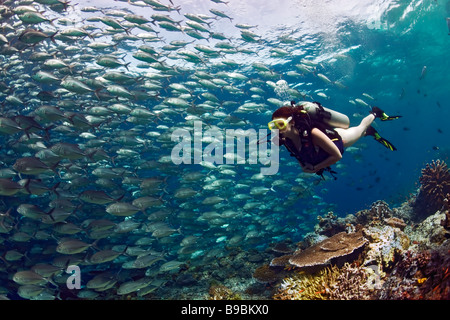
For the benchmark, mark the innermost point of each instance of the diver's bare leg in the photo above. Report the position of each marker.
(351, 135)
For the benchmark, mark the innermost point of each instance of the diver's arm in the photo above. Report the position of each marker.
(321, 140)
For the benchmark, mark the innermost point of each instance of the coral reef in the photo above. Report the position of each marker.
(266, 274)
(429, 233)
(435, 185)
(400, 258)
(337, 246)
(282, 261)
(378, 212)
(396, 223)
(331, 224)
(395, 253)
(282, 248)
(347, 283)
(385, 243)
(221, 292)
(352, 283)
(420, 275)
(304, 286)
(446, 222)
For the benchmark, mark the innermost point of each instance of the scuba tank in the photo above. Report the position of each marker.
(318, 113)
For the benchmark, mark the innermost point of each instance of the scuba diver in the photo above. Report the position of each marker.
(316, 136)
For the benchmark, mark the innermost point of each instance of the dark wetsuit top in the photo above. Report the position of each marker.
(309, 153)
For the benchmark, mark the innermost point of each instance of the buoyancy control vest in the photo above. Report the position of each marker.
(315, 117)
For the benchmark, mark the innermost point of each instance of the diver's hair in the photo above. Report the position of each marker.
(286, 112)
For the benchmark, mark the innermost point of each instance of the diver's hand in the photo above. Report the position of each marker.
(309, 168)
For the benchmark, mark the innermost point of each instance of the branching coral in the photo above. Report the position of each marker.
(221, 292)
(435, 185)
(304, 286)
(349, 282)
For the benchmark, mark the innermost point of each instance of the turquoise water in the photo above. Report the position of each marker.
(385, 53)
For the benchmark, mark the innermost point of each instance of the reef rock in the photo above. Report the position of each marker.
(378, 212)
(265, 274)
(396, 223)
(385, 242)
(339, 245)
(446, 222)
(430, 232)
(330, 224)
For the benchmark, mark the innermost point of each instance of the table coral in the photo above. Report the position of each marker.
(339, 245)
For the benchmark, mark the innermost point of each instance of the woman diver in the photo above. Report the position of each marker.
(316, 136)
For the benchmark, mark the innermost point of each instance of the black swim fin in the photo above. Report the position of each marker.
(378, 113)
(387, 118)
(372, 132)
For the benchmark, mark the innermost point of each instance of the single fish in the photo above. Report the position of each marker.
(30, 36)
(73, 246)
(97, 197)
(31, 166)
(423, 73)
(123, 209)
(9, 187)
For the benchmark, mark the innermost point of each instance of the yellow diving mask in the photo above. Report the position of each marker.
(279, 123)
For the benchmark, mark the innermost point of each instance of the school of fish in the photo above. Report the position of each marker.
(88, 105)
